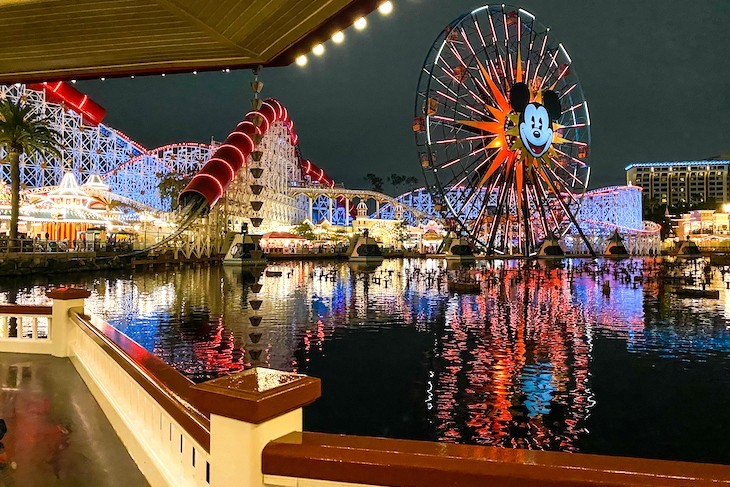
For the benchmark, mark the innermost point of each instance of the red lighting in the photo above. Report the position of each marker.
(236, 149)
(61, 92)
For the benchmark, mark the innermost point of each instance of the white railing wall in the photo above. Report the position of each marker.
(164, 451)
(25, 332)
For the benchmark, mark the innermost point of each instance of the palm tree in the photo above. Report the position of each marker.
(23, 131)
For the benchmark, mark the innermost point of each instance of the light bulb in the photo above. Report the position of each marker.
(386, 8)
(318, 50)
(302, 60)
(361, 23)
(338, 37)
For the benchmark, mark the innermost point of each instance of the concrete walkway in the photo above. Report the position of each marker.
(57, 433)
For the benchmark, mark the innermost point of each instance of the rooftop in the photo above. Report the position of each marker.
(46, 40)
(678, 163)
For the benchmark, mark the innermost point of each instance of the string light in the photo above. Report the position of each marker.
(73, 81)
(302, 60)
(338, 37)
(163, 75)
(386, 8)
(361, 23)
(103, 78)
(318, 50)
(195, 72)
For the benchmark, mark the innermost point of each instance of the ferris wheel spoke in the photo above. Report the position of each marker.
(506, 45)
(500, 205)
(550, 69)
(436, 78)
(494, 41)
(561, 185)
(570, 215)
(457, 159)
(479, 86)
(566, 92)
(476, 188)
(541, 57)
(577, 161)
(544, 198)
(529, 53)
(538, 201)
(574, 126)
(469, 90)
(557, 163)
(465, 139)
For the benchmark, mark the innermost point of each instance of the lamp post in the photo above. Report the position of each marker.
(145, 218)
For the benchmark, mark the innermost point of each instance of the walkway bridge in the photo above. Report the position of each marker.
(322, 204)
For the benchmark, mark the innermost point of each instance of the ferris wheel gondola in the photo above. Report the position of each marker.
(503, 130)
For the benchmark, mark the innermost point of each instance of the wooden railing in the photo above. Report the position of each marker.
(319, 460)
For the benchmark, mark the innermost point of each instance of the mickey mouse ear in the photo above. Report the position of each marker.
(519, 96)
(551, 102)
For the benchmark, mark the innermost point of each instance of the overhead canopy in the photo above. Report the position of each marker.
(45, 40)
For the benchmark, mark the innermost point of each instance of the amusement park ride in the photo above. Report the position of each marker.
(503, 131)
(502, 128)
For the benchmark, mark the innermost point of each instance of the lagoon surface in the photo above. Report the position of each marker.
(542, 359)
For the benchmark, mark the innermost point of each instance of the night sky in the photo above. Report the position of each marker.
(655, 74)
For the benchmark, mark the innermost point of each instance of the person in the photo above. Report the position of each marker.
(48, 236)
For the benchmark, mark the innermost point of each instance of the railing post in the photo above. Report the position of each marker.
(247, 411)
(64, 299)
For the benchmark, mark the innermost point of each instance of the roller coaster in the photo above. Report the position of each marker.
(257, 176)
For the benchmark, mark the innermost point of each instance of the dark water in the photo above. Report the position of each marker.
(550, 363)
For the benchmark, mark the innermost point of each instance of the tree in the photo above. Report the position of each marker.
(412, 182)
(171, 184)
(23, 131)
(376, 182)
(304, 229)
(401, 233)
(398, 180)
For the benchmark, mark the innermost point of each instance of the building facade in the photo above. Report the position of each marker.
(681, 183)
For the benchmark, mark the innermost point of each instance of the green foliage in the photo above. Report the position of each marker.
(23, 131)
(397, 181)
(376, 182)
(400, 232)
(401, 182)
(171, 184)
(304, 229)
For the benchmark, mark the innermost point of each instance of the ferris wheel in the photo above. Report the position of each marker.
(503, 130)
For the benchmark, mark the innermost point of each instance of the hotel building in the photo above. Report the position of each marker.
(674, 183)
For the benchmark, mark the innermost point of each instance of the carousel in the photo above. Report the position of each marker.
(67, 212)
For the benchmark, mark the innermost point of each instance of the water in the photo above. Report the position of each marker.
(550, 363)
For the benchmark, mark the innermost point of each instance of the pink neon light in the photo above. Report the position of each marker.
(220, 186)
(230, 168)
(278, 112)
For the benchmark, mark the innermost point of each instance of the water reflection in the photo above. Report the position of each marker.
(514, 365)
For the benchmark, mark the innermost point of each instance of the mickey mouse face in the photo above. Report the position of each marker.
(536, 119)
(536, 129)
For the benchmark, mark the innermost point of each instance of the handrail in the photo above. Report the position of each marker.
(25, 310)
(406, 463)
(253, 396)
(172, 390)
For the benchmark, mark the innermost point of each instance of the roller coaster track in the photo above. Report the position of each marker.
(362, 194)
